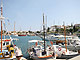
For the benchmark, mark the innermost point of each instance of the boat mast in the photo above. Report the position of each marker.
(14, 27)
(1, 18)
(65, 36)
(44, 31)
(46, 26)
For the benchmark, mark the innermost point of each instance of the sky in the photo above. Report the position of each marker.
(28, 14)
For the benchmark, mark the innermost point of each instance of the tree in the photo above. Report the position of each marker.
(75, 29)
(38, 32)
(71, 30)
(30, 31)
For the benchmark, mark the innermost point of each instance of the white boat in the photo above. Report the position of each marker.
(71, 40)
(57, 37)
(37, 51)
(74, 40)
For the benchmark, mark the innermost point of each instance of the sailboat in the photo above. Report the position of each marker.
(15, 34)
(67, 54)
(39, 50)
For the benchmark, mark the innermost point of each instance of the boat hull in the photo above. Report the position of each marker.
(37, 58)
(67, 56)
(21, 35)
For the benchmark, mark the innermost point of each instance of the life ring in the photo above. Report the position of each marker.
(59, 49)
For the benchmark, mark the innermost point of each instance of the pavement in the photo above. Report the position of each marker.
(75, 58)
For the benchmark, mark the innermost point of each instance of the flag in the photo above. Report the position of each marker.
(51, 42)
(36, 43)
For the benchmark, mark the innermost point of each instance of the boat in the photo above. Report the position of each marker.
(56, 51)
(37, 51)
(56, 37)
(72, 41)
(40, 51)
(21, 35)
(60, 40)
(14, 33)
(67, 53)
(7, 47)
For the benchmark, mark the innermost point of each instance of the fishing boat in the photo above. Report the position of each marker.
(40, 52)
(7, 49)
(37, 51)
(4, 53)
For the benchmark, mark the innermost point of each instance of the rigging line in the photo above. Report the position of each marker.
(6, 29)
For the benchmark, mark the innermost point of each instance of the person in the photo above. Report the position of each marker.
(34, 50)
(11, 50)
(15, 47)
(48, 48)
(18, 53)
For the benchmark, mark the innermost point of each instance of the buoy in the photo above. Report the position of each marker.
(59, 49)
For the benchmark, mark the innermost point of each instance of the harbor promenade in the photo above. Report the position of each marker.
(75, 58)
